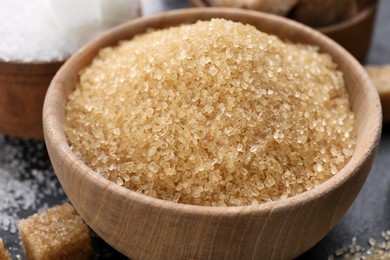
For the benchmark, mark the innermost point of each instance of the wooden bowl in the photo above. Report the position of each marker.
(353, 34)
(22, 91)
(142, 227)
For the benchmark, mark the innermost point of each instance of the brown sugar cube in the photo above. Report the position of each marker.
(380, 75)
(58, 233)
(4, 254)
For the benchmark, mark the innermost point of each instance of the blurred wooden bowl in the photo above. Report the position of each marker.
(22, 91)
(353, 34)
(142, 227)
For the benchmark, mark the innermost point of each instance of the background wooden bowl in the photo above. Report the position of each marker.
(142, 227)
(22, 91)
(353, 34)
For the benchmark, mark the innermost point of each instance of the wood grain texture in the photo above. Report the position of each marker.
(353, 34)
(22, 91)
(142, 227)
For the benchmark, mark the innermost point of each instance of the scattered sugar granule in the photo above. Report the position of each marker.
(27, 184)
(57, 233)
(4, 254)
(26, 180)
(212, 113)
(376, 250)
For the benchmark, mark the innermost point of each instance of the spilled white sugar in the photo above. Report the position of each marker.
(50, 30)
(23, 189)
(14, 195)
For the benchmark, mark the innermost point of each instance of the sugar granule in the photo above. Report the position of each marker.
(27, 184)
(214, 113)
(23, 186)
(29, 33)
(376, 250)
(51, 30)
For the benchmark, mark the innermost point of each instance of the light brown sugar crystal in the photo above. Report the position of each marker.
(214, 113)
(4, 254)
(58, 233)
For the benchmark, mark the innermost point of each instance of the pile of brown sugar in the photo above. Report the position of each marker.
(213, 113)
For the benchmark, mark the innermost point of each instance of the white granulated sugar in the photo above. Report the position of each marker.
(24, 187)
(29, 33)
(52, 30)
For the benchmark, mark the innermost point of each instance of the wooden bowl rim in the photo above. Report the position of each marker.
(53, 130)
(20, 71)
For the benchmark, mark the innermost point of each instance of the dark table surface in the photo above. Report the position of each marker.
(368, 216)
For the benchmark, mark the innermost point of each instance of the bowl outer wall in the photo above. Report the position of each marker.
(142, 227)
(22, 91)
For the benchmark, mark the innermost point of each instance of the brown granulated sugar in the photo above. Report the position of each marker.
(214, 113)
